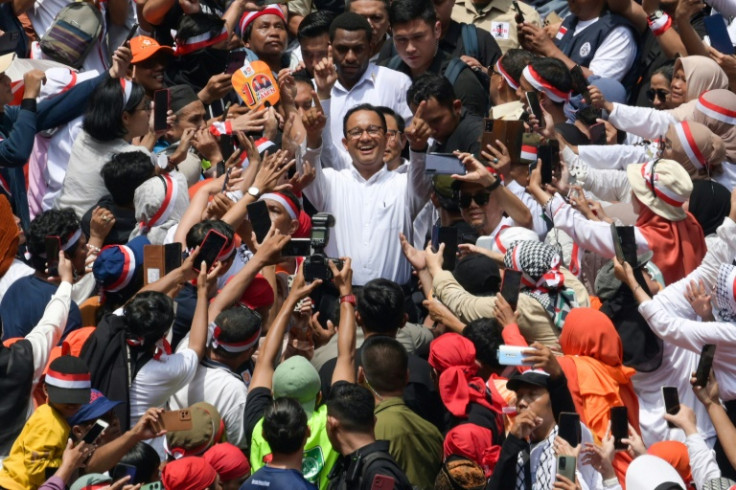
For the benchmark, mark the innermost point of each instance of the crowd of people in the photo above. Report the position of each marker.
(372, 244)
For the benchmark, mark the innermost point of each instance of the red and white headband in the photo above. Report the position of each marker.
(715, 111)
(234, 347)
(539, 83)
(127, 87)
(171, 191)
(287, 203)
(509, 79)
(69, 381)
(201, 41)
(528, 152)
(226, 252)
(685, 135)
(249, 17)
(660, 190)
(72, 240)
(126, 275)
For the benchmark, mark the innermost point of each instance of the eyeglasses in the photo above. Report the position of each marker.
(659, 93)
(480, 198)
(373, 132)
(392, 133)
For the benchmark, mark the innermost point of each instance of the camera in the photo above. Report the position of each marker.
(316, 265)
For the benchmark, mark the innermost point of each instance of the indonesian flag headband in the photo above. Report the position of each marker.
(287, 203)
(127, 87)
(514, 84)
(201, 41)
(690, 146)
(542, 85)
(69, 241)
(68, 381)
(171, 190)
(651, 180)
(234, 347)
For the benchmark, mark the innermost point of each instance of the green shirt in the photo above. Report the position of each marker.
(414, 443)
(319, 457)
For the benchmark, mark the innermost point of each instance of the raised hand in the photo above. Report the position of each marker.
(325, 75)
(314, 121)
(699, 298)
(476, 172)
(121, 59)
(418, 131)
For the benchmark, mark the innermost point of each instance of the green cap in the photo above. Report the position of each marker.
(442, 185)
(298, 379)
(90, 479)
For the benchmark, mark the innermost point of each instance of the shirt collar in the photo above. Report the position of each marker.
(369, 76)
(393, 401)
(373, 178)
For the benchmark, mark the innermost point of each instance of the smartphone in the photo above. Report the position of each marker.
(566, 467)
(511, 355)
(580, 83)
(172, 256)
(297, 247)
(153, 263)
(519, 15)
(705, 364)
(226, 146)
(121, 470)
(175, 420)
(92, 434)
(443, 164)
(131, 34)
(671, 402)
(597, 134)
(532, 100)
(53, 245)
(569, 428)
(626, 235)
(227, 179)
(235, 61)
(259, 219)
(618, 249)
(619, 426)
(510, 287)
(448, 236)
(161, 99)
(549, 153)
(210, 248)
(715, 26)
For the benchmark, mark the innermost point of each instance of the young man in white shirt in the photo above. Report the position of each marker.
(371, 204)
(357, 80)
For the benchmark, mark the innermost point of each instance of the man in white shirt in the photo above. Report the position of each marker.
(356, 81)
(371, 204)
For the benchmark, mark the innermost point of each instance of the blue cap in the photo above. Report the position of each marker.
(116, 265)
(98, 406)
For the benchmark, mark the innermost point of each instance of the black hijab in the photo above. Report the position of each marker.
(710, 203)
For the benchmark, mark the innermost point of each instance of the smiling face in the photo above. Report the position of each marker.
(351, 51)
(416, 42)
(365, 140)
(149, 73)
(483, 216)
(268, 36)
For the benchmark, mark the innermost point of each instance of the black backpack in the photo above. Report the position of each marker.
(352, 481)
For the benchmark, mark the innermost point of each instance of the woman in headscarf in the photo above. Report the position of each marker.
(716, 109)
(710, 203)
(675, 453)
(160, 202)
(693, 76)
(659, 190)
(474, 407)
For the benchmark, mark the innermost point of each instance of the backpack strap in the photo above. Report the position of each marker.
(394, 63)
(454, 68)
(469, 34)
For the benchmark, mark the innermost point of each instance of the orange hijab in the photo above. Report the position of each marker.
(675, 453)
(678, 246)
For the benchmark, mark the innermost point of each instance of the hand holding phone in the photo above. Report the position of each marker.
(94, 432)
(259, 219)
(619, 427)
(161, 101)
(532, 100)
(705, 364)
(511, 286)
(210, 249)
(671, 402)
(519, 15)
(131, 34)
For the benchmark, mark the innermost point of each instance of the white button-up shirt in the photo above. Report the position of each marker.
(369, 214)
(378, 86)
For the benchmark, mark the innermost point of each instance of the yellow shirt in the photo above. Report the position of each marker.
(40, 445)
(498, 17)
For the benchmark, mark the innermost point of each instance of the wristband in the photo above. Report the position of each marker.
(348, 298)
(493, 186)
(28, 104)
(660, 25)
(206, 164)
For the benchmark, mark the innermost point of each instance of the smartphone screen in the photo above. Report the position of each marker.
(619, 426)
(546, 154)
(131, 34)
(715, 26)
(297, 247)
(259, 219)
(569, 428)
(617, 244)
(566, 467)
(235, 61)
(211, 247)
(172, 257)
(705, 364)
(226, 146)
(533, 100)
(121, 470)
(53, 245)
(510, 287)
(443, 164)
(448, 236)
(671, 402)
(92, 434)
(160, 108)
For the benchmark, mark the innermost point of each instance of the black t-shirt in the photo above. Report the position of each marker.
(124, 222)
(466, 136)
(186, 302)
(378, 474)
(488, 50)
(258, 399)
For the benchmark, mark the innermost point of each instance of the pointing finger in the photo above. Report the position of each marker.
(316, 101)
(420, 110)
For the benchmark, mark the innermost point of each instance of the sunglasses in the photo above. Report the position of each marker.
(657, 94)
(480, 198)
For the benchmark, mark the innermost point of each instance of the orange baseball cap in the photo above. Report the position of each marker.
(143, 47)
